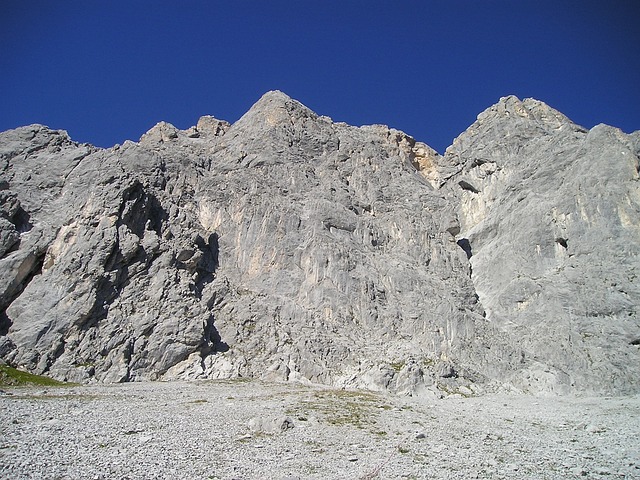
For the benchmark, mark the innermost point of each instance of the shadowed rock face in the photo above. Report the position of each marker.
(289, 247)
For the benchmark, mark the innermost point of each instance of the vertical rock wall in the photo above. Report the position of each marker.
(551, 215)
(290, 247)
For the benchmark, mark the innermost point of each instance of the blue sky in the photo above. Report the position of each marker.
(107, 71)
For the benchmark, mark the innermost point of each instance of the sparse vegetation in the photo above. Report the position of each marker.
(343, 407)
(397, 366)
(12, 377)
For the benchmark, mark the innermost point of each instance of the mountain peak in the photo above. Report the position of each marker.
(512, 107)
(275, 107)
(275, 95)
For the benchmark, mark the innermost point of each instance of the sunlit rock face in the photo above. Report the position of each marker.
(551, 213)
(290, 247)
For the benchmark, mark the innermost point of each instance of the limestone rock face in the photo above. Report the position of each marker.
(550, 217)
(290, 247)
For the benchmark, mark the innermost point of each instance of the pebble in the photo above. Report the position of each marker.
(160, 430)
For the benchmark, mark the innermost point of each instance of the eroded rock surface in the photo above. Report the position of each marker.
(290, 247)
(550, 217)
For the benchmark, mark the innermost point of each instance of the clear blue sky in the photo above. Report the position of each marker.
(107, 71)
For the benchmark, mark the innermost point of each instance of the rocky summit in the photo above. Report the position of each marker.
(289, 247)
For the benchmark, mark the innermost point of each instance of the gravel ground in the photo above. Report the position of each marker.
(253, 430)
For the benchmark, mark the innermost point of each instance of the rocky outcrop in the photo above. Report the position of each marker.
(550, 217)
(290, 247)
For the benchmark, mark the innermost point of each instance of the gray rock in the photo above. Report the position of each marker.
(270, 425)
(550, 216)
(290, 247)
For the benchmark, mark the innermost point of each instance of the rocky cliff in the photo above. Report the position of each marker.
(290, 247)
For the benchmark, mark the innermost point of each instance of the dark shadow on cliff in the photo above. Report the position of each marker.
(212, 341)
(466, 246)
(5, 323)
(208, 263)
(141, 210)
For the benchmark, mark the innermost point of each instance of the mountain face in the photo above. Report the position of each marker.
(290, 247)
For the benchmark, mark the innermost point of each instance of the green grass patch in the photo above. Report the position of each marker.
(397, 366)
(12, 377)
